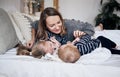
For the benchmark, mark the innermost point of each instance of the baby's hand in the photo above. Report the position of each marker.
(76, 40)
(57, 44)
(78, 33)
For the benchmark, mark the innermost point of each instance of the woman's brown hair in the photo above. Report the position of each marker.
(42, 29)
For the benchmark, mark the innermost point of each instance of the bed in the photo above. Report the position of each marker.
(11, 65)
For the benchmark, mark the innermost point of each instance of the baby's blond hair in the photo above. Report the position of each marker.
(69, 54)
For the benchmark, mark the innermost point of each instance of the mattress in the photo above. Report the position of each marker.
(103, 64)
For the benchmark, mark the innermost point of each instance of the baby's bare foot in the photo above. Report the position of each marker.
(99, 27)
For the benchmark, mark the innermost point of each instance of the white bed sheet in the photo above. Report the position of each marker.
(12, 65)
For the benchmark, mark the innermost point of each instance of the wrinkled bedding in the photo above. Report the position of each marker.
(12, 65)
(99, 63)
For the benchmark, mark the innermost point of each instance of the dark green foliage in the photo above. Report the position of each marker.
(37, 5)
(107, 17)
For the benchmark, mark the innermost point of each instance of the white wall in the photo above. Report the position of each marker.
(48, 3)
(10, 5)
(84, 10)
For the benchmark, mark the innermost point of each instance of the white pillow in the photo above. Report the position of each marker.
(18, 32)
(24, 26)
(8, 37)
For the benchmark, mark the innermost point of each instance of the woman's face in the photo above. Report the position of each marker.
(54, 24)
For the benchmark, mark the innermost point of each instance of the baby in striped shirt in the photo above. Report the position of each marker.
(85, 45)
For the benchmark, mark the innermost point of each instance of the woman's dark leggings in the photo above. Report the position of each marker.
(107, 43)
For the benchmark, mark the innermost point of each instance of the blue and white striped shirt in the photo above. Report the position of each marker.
(86, 44)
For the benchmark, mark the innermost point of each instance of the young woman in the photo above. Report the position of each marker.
(52, 24)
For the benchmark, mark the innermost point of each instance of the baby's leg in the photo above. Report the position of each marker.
(107, 42)
(114, 51)
(117, 47)
(99, 27)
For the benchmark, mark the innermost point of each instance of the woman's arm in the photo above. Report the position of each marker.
(31, 42)
(33, 32)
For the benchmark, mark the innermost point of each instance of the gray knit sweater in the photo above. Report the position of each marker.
(72, 25)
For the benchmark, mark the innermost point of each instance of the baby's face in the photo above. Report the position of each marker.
(49, 47)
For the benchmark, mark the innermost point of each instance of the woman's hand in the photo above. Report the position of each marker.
(78, 33)
(30, 43)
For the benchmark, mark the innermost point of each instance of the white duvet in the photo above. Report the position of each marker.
(92, 65)
(53, 69)
(98, 56)
(99, 63)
